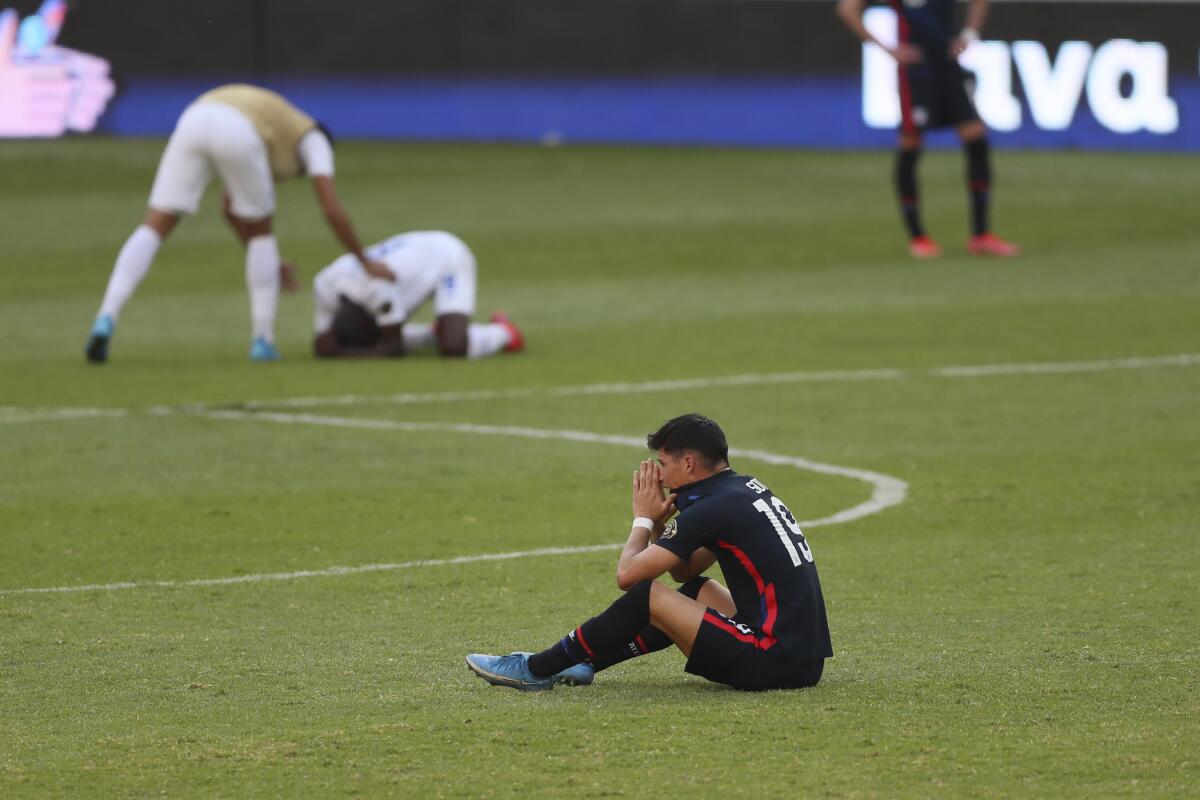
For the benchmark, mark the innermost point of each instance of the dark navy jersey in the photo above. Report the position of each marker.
(767, 564)
(930, 25)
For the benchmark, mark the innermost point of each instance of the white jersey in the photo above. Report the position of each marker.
(426, 264)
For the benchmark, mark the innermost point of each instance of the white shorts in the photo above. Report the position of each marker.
(214, 138)
(458, 281)
(427, 264)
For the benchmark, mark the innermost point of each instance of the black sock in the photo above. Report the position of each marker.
(979, 183)
(906, 188)
(607, 631)
(651, 639)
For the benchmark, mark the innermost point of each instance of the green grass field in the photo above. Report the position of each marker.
(1025, 623)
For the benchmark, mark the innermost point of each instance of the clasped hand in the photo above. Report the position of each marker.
(649, 498)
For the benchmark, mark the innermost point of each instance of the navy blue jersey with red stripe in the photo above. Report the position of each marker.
(929, 24)
(767, 563)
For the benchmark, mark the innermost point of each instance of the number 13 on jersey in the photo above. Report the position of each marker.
(779, 516)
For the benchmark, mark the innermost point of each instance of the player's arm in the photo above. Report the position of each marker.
(851, 14)
(339, 222)
(638, 561)
(702, 558)
(976, 16)
(977, 13)
(390, 345)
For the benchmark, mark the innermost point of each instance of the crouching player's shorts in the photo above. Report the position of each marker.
(214, 138)
(737, 655)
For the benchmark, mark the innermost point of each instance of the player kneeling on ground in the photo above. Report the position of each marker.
(360, 316)
(766, 631)
(250, 138)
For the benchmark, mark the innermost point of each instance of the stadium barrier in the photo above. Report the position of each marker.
(1086, 74)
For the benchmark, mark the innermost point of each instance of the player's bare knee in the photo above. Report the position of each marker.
(255, 227)
(972, 131)
(714, 595)
(453, 347)
(161, 222)
(664, 600)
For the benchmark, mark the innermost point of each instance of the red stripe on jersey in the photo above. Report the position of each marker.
(747, 564)
(641, 644)
(732, 631)
(582, 642)
(906, 118)
(772, 611)
(749, 638)
(980, 186)
(765, 590)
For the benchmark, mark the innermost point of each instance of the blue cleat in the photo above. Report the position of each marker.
(262, 350)
(579, 675)
(97, 343)
(510, 670)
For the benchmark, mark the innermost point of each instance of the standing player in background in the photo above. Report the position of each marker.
(766, 631)
(249, 137)
(933, 94)
(356, 315)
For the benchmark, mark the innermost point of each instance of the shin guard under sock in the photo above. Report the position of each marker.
(651, 639)
(906, 189)
(979, 183)
(607, 631)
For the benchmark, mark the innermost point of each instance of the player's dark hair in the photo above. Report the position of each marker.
(353, 325)
(323, 128)
(693, 432)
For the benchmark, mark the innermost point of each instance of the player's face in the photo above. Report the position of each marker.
(673, 469)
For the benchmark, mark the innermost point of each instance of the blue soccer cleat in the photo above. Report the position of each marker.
(97, 343)
(262, 350)
(510, 670)
(578, 675)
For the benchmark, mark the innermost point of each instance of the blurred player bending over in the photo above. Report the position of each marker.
(357, 315)
(933, 94)
(766, 631)
(249, 138)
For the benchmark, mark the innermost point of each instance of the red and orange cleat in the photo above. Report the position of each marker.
(989, 244)
(516, 339)
(923, 247)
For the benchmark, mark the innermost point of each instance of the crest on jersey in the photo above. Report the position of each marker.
(670, 531)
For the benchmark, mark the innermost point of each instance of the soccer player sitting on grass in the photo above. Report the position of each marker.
(766, 631)
(249, 137)
(357, 315)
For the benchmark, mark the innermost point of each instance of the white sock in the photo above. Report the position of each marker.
(485, 340)
(133, 262)
(417, 336)
(262, 279)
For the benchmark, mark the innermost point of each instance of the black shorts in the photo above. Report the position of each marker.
(730, 653)
(935, 97)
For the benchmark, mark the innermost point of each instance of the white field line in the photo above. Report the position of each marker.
(313, 573)
(10, 414)
(643, 387)
(17, 416)
(1062, 367)
(887, 491)
(749, 379)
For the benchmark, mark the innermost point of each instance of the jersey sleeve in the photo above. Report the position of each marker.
(694, 528)
(317, 154)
